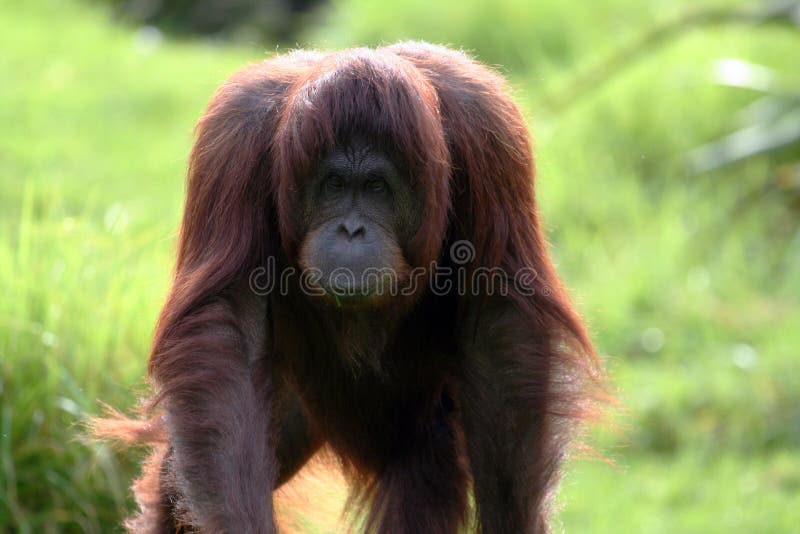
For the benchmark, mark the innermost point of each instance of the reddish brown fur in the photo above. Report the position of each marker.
(521, 370)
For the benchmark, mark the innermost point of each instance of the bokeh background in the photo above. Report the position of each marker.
(668, 143)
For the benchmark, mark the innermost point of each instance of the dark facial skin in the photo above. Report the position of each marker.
(360, 209)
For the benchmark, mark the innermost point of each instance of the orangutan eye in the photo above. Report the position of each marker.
(334, 182)
(376, 184)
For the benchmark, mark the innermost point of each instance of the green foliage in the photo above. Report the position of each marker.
(690, 282)
(242, 20)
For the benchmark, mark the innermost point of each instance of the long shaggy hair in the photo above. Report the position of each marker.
(452, 123)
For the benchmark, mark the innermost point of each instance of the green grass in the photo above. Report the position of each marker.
(685, 493)
(691, 287)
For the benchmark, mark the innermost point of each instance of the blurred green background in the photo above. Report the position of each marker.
(668, 143)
